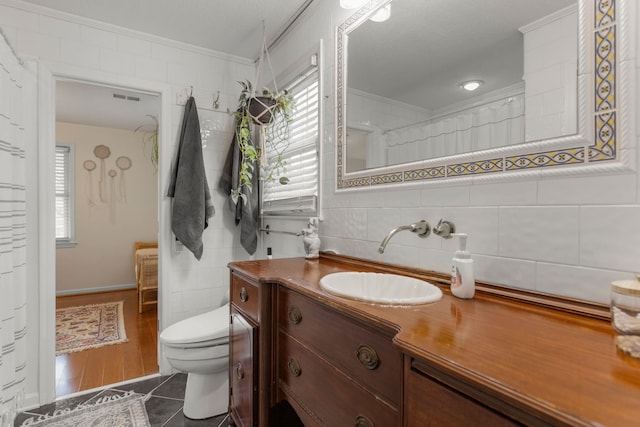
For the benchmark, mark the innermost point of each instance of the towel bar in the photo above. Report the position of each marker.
(268, 230)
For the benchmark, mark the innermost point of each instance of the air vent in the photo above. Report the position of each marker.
(128, 98)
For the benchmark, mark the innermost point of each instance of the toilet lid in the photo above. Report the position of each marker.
(203, 327)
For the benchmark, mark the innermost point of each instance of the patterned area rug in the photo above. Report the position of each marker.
(89, 326)
(109, 411)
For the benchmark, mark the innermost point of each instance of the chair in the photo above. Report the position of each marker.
(146, 269)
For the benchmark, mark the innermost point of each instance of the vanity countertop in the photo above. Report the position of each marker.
(552, 362)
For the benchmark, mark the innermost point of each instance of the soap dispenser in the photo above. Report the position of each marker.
(463, 283)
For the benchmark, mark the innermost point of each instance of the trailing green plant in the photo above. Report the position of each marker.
(150, 137)
(275, 126)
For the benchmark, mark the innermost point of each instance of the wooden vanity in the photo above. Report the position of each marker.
(502, 359)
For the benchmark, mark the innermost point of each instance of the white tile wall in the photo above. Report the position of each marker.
(562, 235)
(62, 41)
(567, 236)
(549, 51)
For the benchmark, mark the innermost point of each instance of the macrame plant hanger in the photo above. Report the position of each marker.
(265, 116)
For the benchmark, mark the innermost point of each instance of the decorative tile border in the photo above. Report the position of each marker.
(603, 147)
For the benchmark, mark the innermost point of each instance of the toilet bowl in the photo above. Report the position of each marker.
(199, 346)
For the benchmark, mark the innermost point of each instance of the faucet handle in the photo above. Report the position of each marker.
(444, 229)
(421, 228)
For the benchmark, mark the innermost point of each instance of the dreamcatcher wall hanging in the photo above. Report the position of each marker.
(109, 192)
(112, 196)
(102, 152)
(123, 163)
(89, 166)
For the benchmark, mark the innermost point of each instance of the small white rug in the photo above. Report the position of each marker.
(109, 411)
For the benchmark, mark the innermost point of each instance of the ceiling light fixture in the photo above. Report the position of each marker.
(471, 85)
(382, 14)
(351, 4)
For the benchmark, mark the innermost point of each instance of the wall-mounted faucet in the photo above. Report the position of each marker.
(444, 229)
(421, 228)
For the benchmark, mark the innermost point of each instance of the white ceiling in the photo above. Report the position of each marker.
(234, 27)
(93, 105)
(435, 35)
(229, 26)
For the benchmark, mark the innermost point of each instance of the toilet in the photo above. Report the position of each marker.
(199, 346)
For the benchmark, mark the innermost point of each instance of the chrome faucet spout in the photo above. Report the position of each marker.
(390, 235)
(421, 228)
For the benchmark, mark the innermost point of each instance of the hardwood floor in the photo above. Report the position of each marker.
(113, 363)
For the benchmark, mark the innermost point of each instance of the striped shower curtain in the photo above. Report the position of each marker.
(13, 312)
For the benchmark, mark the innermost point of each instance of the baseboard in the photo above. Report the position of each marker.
(95, 290)
(31, 401)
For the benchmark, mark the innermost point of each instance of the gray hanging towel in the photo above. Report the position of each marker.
(192, 206)
(245, 214)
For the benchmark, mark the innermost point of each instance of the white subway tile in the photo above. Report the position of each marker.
(166, 53)
(39, 45)
(436, 260)
(600, 189)
(396, 254)
(398, 198)
(117, 62)
(59, 28)
(75, 53)
(509, 272)
(454, 195)
(16, 18)
(134, 45)
(504, 193)
(540, 233)
(479, 223)
(181, 74)
(97, 37)
(577, 282)
(610, 237)
(152, 69)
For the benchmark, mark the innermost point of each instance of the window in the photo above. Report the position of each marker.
(65, 191)
(300, 195)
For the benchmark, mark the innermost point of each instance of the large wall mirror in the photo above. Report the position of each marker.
(551, 75)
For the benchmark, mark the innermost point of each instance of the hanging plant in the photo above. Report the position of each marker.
(150, 138)
(272, 113)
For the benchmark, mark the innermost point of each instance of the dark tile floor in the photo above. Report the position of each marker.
(164, 407)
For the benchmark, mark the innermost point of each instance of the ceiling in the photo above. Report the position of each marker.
(229, 26)
(436, 36)
(233, 27)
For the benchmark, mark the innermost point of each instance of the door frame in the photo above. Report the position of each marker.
(47, 77)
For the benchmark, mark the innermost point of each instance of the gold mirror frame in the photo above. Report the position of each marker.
(606, 124)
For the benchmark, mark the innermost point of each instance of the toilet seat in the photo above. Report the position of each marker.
(206, 329)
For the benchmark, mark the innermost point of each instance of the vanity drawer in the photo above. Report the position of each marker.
(363, 353)
(245, 296)
(326, 395)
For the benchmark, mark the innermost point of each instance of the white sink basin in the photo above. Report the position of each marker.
(380, 288)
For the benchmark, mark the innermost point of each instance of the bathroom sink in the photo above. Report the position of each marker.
(380, 288)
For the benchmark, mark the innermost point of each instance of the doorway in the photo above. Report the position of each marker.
(113, 198)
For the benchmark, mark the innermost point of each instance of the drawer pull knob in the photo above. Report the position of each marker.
(239, 371)
(244, 296)
(368, 357)
(294, 367)
(294, 315)
(362, 421)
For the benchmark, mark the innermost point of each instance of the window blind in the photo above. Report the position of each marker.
(64, 196)
(301, 158)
